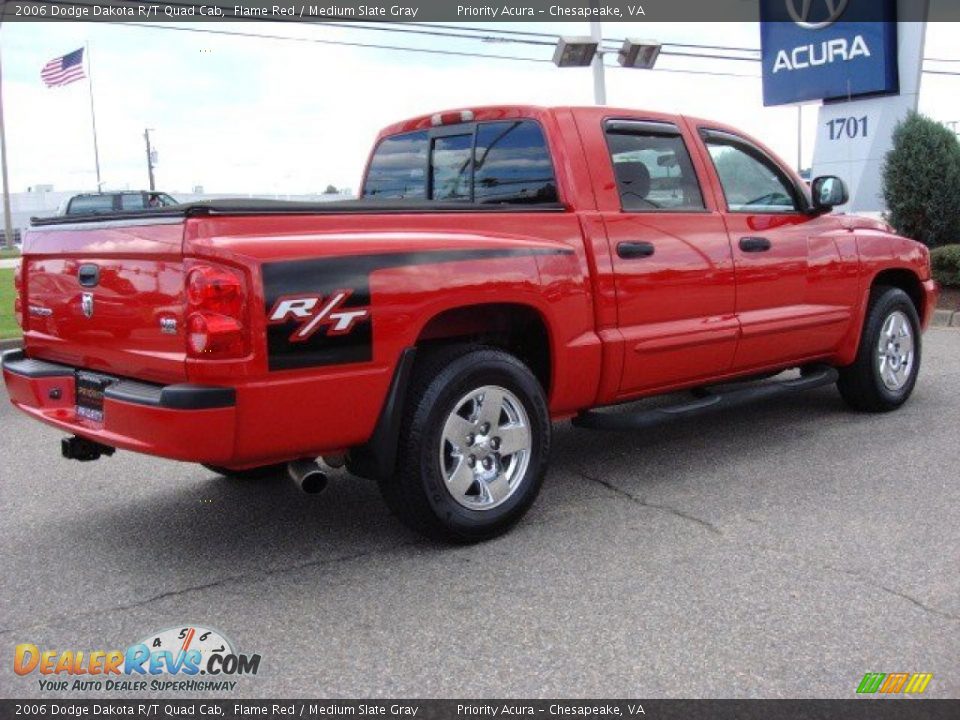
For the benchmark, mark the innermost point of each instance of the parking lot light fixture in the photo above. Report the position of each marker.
(574, 51)
(641, 54)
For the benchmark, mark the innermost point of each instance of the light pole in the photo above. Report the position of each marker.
(599, 79)
(146, 138)
(799, 138)
(7, 220)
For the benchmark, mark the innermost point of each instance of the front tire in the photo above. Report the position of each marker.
(473, 447)
(888, 360)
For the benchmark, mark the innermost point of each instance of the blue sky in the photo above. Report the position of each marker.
(238, 114)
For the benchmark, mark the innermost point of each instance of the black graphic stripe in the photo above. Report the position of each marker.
(322, 276)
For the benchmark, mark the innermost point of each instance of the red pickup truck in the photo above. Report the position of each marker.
(505, 267)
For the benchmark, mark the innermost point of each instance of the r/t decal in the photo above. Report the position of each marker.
(314, 312)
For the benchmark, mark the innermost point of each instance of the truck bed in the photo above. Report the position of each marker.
(246, 206)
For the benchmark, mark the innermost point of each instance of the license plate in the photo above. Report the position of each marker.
(89, 394)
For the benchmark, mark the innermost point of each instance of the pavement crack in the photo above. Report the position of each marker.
(910, 599)
(219, 582)
(643, 502)
(802, 560)
(859, 576)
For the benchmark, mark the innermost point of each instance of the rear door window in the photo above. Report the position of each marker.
(653, 168)
(131, 201)
(398, 168)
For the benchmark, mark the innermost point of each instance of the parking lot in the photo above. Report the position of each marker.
(782, 550)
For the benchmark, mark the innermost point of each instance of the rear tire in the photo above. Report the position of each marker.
(888, 360)
(473, 447)
(265, 472)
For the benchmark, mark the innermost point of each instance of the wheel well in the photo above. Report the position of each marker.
(906, 281)
(513, 327)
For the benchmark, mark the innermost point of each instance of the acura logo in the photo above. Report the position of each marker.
(799, 11)
(86, 304)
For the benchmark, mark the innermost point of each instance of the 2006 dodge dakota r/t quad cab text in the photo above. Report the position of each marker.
(504, 267)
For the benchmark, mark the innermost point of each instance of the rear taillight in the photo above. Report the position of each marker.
(18, 300)
(216, 306)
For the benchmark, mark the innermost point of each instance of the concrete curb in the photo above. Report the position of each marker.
(946, 318)
(10, 344)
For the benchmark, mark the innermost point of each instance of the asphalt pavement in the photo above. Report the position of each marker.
(782, 550)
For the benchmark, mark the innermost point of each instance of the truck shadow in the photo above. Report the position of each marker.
(194, 528)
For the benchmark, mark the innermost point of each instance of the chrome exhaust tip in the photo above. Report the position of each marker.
(308, 475)
(335, 461)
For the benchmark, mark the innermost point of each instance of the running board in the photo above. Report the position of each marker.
(813, 377)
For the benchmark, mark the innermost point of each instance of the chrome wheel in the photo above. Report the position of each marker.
(485, 447)
(895, 351)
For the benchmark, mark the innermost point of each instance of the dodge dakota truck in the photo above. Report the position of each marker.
(504, 268)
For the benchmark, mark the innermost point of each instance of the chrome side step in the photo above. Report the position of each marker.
(813, 377)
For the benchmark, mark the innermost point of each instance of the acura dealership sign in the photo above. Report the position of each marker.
(862, 61)
(800, 10)
(827, 49)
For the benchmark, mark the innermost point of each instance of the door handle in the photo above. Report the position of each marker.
(631, 250)
(754, 244)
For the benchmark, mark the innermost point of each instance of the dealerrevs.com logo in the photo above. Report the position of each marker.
(191, 658)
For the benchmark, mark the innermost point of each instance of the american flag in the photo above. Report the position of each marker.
(63, 70)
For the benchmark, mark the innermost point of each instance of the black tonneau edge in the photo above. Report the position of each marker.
(244, 206)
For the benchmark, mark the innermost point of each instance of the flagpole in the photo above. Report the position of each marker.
(93, 114)
(7, 220)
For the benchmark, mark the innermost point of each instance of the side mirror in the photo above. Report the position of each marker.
(828, 191)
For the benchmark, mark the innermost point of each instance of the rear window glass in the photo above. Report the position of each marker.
(398, 168)
(450, 167)
(132, 201)
(513, 164)
(499, 162)
(90, 204)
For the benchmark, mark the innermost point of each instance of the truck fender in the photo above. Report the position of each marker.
(376, 459)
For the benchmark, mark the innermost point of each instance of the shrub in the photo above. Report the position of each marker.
(945, 262)
(921, 181)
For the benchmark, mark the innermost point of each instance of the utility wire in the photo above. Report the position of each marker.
(461, 35)
(401, 48)
(486, 34)
(483, 34)
(554, 36)
(707, 56)
(346, 43)
(513, 36)
(491, 34)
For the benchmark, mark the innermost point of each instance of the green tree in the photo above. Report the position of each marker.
(921, 181)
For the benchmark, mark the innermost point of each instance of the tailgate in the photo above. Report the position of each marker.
(107, 296)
